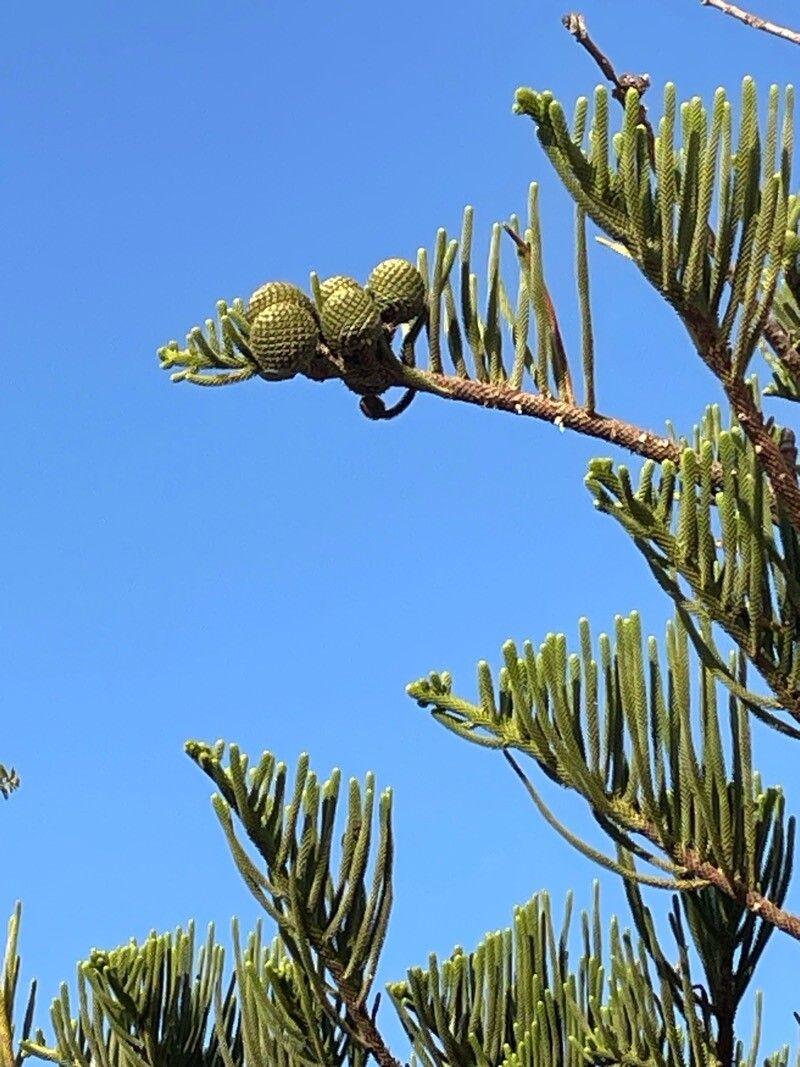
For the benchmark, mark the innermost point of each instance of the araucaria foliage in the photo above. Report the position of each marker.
(655, 737)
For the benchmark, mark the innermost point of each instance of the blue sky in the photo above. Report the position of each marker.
(262, 563)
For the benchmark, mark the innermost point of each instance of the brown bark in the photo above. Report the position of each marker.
(538, 406)
(756, 22)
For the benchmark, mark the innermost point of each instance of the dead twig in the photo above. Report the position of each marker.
(575, 23)
(756, 22)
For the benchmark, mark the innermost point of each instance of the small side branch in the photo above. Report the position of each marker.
(751, 899)
(716, 356)
(781, 477)
(369, 1036)
(782, 345)
(575, 23)
(686, 858)
(756, 22)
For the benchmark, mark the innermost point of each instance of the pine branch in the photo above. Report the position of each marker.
(691, 861)
(693, 864)
(565, 416)
(384, 369)
(370, 367)
(712, 345)
(369, 1037)
(9, 978)
(782, 478)
(751, 899)
(740, 568)
(518, 999)
(627, 747)
(756, 22)
(156, 1003)
(7, 1055)
(716, 354)
(332, 925)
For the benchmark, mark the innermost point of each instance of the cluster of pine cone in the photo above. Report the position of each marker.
(286, 326)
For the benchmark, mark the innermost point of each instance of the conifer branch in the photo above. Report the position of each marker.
(689, 862)
(7, 1055)
(699, 871)
(756, 22)
(712, 347)
(780, 340)
(782, 479)
(519, 999)
(739, 567)
(368, 1035)
(9, 781)
(620, 733)
(751, 899)
(565, 416)
(9, 978)
(692, 861)
(332, 925)
(384, 370)
(716, 354)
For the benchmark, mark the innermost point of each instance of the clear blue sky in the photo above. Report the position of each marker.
(262, 563)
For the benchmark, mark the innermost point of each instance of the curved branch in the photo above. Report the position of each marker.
(756, 22)
(688, 860)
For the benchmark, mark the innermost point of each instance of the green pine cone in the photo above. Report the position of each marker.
(338, 281)
(350, 320)
(283, 339)
(277, 292)
(398, 290)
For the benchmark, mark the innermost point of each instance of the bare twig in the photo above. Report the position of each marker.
(754, 21)
(575, 23)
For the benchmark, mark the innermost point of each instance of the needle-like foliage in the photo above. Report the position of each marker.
(332, 912)
(518, 1000)
(656, 738)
